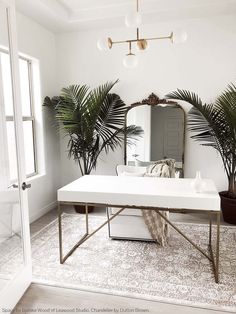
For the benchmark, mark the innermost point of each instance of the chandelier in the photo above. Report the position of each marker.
(134, 20)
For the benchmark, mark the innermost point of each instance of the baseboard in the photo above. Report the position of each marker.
(43, 211)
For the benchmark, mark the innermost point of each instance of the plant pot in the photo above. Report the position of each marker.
(80, 209)
(228, 206)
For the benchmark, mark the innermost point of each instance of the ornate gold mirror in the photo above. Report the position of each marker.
(163, 124)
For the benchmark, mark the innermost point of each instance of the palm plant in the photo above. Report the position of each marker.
(93, 120)
(214, 125)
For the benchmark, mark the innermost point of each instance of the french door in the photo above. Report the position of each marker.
(15, 255)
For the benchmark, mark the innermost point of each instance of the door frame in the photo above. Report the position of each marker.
(15, 288)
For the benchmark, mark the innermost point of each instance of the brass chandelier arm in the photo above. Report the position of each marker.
(164, 37)
(137, 39)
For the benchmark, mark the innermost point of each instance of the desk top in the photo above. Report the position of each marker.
(141, 191)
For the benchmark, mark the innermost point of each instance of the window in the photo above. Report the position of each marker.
(27, 100)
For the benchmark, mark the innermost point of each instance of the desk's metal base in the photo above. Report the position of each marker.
(213, 258)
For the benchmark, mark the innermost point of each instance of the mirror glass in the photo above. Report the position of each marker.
(11, 245)
(163, 135)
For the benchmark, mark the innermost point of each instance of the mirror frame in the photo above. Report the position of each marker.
(154, 100)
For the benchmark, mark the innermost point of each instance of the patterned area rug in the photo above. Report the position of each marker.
(176, 274)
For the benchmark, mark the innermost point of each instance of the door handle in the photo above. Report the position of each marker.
(14, 186)
(25, 186)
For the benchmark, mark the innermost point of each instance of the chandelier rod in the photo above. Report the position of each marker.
(135, 40)
(130, 47)
(137, 8)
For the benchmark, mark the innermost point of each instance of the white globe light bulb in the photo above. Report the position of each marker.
(179, 36)
(130, 61)
(103, 44)
(133, 19)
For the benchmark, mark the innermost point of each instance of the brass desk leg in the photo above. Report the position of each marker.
(215, 260)
(217, 248)
(108, 218)
(210, 228)
(87, 223)
(60, 231)
(210, 245)
(63, 259)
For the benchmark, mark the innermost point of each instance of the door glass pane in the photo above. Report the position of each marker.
(6, 83)
(7, 86)
(11, 245)
(25, 90)
(29, 147)
(11, 145)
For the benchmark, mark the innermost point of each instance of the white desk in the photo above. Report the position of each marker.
(159, 194)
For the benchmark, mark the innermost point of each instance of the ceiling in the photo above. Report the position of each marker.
(70, 15)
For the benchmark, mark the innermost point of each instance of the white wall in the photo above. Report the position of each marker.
(205, 64)
(37, 42)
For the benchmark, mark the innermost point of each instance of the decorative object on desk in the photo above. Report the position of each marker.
(214, 125)
(198, 183)
(93, 120)
(134, 20)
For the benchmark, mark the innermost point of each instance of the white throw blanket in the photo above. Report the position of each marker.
(157, 226)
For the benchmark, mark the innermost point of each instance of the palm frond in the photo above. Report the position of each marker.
(75, 95)
(116, 139)
(203, 119)
(111, 116)
(51, 102)
(214, 125)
